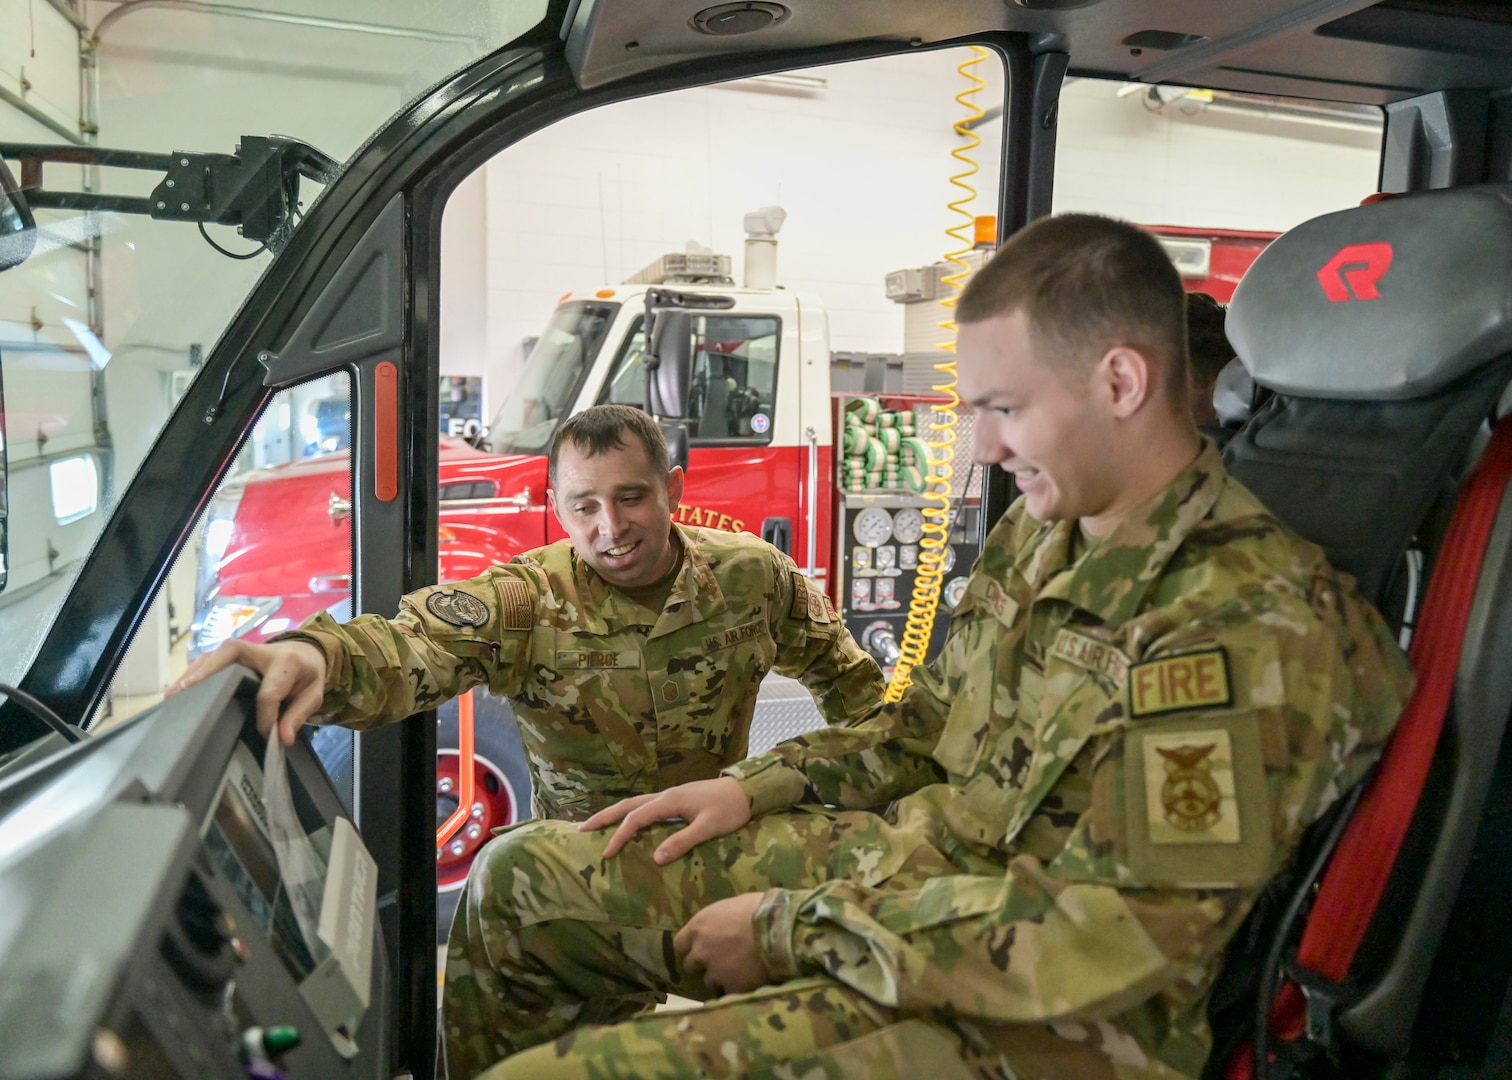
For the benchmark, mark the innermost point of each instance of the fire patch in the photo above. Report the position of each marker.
(810, 603)
(1189, 788)
(1195, 680)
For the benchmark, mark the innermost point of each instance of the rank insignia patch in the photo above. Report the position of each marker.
(1189, 788)
(457, 608)
(671, 692)
(1195, 680)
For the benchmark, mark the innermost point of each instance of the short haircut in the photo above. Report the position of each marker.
(1087, 284)
(601, 428)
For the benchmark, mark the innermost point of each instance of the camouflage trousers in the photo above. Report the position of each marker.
(552, 944)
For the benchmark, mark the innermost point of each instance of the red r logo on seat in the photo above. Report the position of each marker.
(1355, 269)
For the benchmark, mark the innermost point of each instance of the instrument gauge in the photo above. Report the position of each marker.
(872, 527)
(908, 525)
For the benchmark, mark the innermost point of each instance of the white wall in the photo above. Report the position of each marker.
(863, 168)
(464, 279)
(1186, 165)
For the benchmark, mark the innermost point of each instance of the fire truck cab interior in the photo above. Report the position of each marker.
(1380, 338)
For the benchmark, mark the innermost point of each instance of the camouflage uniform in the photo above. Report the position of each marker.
(1117, 748)
(613, 699)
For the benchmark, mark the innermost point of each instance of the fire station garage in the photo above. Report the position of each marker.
(295, 296)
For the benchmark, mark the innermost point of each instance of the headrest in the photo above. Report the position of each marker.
(1234, 395)
(1390, 301)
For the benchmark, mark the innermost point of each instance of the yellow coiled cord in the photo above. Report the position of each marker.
(925, 601)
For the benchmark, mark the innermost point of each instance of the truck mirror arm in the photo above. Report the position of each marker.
(256, 188)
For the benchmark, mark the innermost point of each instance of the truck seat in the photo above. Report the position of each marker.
(1384, 333)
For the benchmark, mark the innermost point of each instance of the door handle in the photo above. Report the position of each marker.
(778, 531)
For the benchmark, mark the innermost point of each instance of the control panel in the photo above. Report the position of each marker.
(182, 901)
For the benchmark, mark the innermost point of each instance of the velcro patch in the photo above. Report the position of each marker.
(457, 608)
(809, 602)
(1194, 680)
(1189, 788)
(734, 636)
(1087, 652)
(996, 602)
(571, 660)
(514, 594)
(800, 596)
(670, 692)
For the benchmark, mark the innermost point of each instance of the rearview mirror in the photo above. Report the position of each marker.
(669, 365)
(18, 230)
(676, 434)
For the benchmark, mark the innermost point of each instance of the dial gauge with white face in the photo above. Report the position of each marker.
(908, 525)
(872, 527)
(954, 590)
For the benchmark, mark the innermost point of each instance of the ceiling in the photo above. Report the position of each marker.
(1340, 50)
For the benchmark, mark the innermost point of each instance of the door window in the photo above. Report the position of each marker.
(108, 321)
(733, 390)
(273, 548)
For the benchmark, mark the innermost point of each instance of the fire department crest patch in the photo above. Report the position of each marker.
(1189, 788)
(457, 608)
(1191, 800)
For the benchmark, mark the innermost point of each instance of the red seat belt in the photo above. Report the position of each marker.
(1357, 873)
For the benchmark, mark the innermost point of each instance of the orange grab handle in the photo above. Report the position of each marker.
(464, 771)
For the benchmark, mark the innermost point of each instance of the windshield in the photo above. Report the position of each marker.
(552, 376)
(105, 326)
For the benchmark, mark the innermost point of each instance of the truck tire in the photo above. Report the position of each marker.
(502, 786)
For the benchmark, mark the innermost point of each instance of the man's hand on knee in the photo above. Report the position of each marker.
(293, 681)
(710, 807)
(719, 944)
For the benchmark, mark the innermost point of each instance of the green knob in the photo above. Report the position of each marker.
(280, 1038)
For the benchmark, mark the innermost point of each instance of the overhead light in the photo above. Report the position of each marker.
(730, 20)
(1341, 116)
